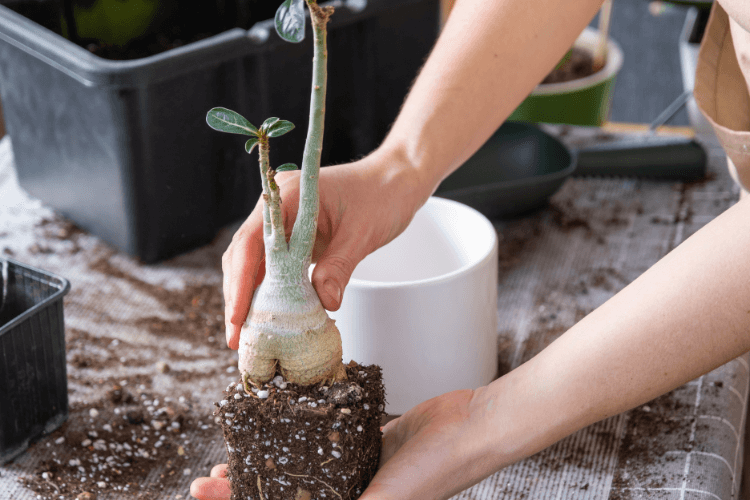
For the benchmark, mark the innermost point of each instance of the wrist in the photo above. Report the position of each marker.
(409, 184)
(508, 442)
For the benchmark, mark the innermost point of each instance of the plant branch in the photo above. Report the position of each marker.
(305, 227)
(273, 223)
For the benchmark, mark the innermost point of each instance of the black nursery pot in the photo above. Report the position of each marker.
(121, 147)
(33, 383)
(289, 442)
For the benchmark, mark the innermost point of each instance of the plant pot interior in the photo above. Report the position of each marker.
(579, 63)
(20, 292)
(132, 29)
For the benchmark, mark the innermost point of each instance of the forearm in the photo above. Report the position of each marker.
(490, 55)
(685, 316)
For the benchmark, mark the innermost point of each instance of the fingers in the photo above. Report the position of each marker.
(215, 487)
(335, 267)
(392, 441)
(241, 264)
(219, 471)
(211, 488)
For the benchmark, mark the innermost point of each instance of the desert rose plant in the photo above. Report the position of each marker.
(317, 433)
(287, 327)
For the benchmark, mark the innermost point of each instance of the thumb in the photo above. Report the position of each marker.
(333, 270)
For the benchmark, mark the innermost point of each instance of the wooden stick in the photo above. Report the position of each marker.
(600, 54)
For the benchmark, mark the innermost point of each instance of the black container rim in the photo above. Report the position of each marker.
(91, 70)
(62, 285)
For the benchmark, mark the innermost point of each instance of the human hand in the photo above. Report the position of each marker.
(433, 451)
(363, 206)
(215, 487)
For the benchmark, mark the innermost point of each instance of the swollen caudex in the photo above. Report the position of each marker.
(301, 339)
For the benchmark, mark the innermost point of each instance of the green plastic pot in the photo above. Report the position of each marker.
(585, 101)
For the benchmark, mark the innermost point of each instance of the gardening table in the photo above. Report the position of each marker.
(124, 325)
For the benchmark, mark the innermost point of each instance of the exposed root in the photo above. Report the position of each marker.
(338, 376)
(315, 478)
(246, 382)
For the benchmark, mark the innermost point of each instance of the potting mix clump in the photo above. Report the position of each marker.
(286, 441)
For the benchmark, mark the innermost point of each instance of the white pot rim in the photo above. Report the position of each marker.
(360, 284)
(587, 39)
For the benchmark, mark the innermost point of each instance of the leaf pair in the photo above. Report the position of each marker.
(226, 120)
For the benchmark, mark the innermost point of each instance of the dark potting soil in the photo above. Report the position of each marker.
(292, 442)
(579, 65)
(113, 444)
(176, 24)
(200, 306)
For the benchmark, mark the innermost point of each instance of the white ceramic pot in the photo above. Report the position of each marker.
(424, 307)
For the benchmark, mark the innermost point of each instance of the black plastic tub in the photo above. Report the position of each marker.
(122, 148)
(33, 383)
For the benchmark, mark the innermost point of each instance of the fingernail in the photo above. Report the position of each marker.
(230, 331)
(331, 289)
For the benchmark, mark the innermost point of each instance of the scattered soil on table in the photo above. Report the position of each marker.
(506, 343)
(569, 215)
(604, 278)
(112, 445)
(292, 442)
(514, 240)
(579, 65)
(59, 228)
(56, 235)
(654, 432)
(200, 306)
(85, 350)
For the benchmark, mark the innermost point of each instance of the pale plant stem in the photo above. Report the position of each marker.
(305, 227)
(287, 328)
(264, 163)
(273, 222)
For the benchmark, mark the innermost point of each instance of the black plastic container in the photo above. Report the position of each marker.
(122, 148)
(33, 383)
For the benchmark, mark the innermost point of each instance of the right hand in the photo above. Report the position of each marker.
(363, 206)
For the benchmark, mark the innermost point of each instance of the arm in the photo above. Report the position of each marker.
(490, 55)
(686, 315)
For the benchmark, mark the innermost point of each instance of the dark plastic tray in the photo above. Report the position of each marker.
(122, 148)
(516, 171)
(520, 167)
(33, 383)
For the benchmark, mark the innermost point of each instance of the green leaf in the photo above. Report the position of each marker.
(279, 128)
(226, 120)
(250, 144)
(286, 167)
(290, 21)
(269, 122)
